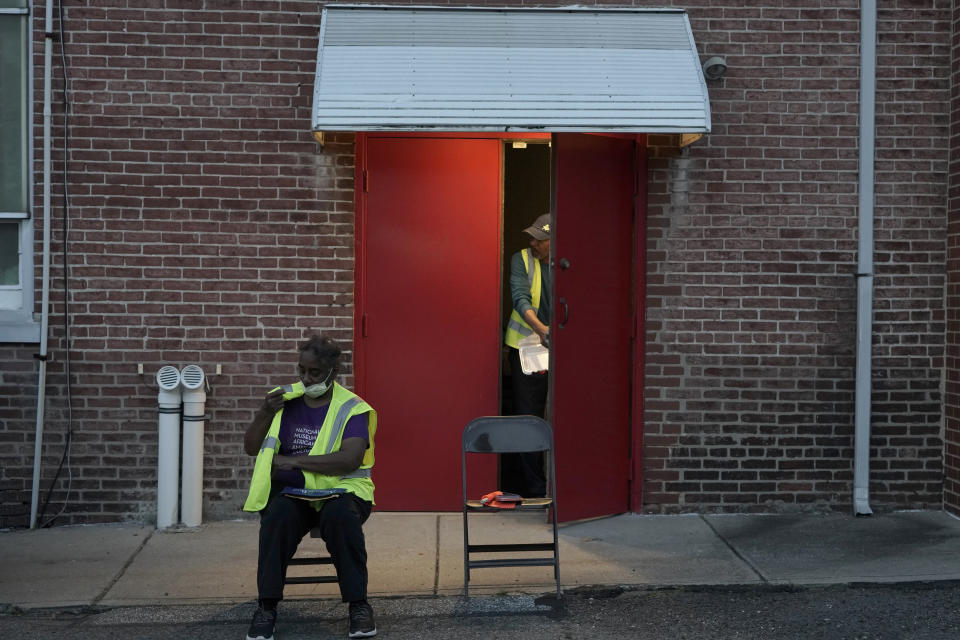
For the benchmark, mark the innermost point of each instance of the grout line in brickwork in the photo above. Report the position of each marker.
(742, 557)
(123, 569)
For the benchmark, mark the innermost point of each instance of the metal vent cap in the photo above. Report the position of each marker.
(192, 376)
(168, 378)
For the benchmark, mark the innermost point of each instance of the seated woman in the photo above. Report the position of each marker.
(313, 434)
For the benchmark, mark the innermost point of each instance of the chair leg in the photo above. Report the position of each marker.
(466, 555)
(556, 549)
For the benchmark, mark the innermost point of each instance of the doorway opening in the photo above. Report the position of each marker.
(526, 195)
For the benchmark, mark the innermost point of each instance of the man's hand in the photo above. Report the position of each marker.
(545, 338)
(538, 327)
(543, 331)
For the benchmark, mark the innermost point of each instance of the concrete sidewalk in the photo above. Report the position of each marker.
(422, 554)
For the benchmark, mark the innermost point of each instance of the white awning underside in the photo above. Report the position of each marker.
(516, 69)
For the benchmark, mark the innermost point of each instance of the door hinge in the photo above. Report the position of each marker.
(364, 325)
(366, 181)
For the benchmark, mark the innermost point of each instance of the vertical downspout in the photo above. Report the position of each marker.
(868, 70)
(45, 301)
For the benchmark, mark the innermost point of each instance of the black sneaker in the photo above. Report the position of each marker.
(261, 627)
(361, 621)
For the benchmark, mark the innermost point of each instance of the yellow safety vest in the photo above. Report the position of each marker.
(517, 327)
(343, 405)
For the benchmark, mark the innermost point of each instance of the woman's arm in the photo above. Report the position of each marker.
(347, 459)
(260, 424)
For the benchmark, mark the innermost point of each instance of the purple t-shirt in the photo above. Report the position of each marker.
(299, 426)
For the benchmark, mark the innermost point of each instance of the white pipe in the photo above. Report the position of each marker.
(168, 446)
(45, 299)
(868, 70)
(194, 405)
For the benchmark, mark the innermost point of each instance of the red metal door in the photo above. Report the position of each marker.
(428, 341)
(594, 180)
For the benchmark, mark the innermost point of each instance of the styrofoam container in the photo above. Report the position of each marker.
(534, 357)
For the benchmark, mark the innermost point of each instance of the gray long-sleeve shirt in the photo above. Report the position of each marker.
(520, 288)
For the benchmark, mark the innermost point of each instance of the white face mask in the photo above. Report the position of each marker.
(317, 390)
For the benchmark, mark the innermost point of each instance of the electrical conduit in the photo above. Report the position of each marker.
(45, 298)
(868, 70)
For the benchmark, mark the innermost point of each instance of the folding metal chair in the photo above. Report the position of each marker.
(299, 561)
(509, 434)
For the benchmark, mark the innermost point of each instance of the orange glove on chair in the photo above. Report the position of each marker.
(501, 500)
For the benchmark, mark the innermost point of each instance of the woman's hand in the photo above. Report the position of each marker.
(273, 402)
(283, 463)
(262, 417)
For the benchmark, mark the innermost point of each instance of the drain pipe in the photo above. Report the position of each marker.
(168, 445)
(45, 297)
(194, 404)
(868, 70)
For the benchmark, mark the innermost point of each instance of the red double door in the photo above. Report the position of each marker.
(429, 334)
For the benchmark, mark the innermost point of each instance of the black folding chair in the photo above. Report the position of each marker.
(509, 434)
(311, 561)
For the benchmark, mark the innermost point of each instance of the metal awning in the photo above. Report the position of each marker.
(508, 69)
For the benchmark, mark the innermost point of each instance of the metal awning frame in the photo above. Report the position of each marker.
(698, 125)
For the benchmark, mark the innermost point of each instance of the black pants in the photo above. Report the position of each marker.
(284, 522)
(529, 398)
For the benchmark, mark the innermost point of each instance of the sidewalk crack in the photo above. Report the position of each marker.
(123, 569)
(737, 553)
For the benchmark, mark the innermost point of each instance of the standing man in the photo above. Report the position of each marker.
(531, 286)
(313, 434)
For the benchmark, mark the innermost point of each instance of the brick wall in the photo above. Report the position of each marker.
(206, 227)
(752, 250)
(951, 455)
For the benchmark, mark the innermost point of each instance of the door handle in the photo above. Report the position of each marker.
(566, 313)
(564, 264)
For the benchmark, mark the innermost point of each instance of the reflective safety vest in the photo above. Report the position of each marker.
(517, 327)
(343, 405)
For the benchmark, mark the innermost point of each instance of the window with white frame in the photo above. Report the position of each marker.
(16, 230)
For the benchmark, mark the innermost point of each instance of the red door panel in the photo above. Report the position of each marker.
(429, 295)
(592, 324)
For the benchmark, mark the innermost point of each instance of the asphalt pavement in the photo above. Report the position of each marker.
(895, 575)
